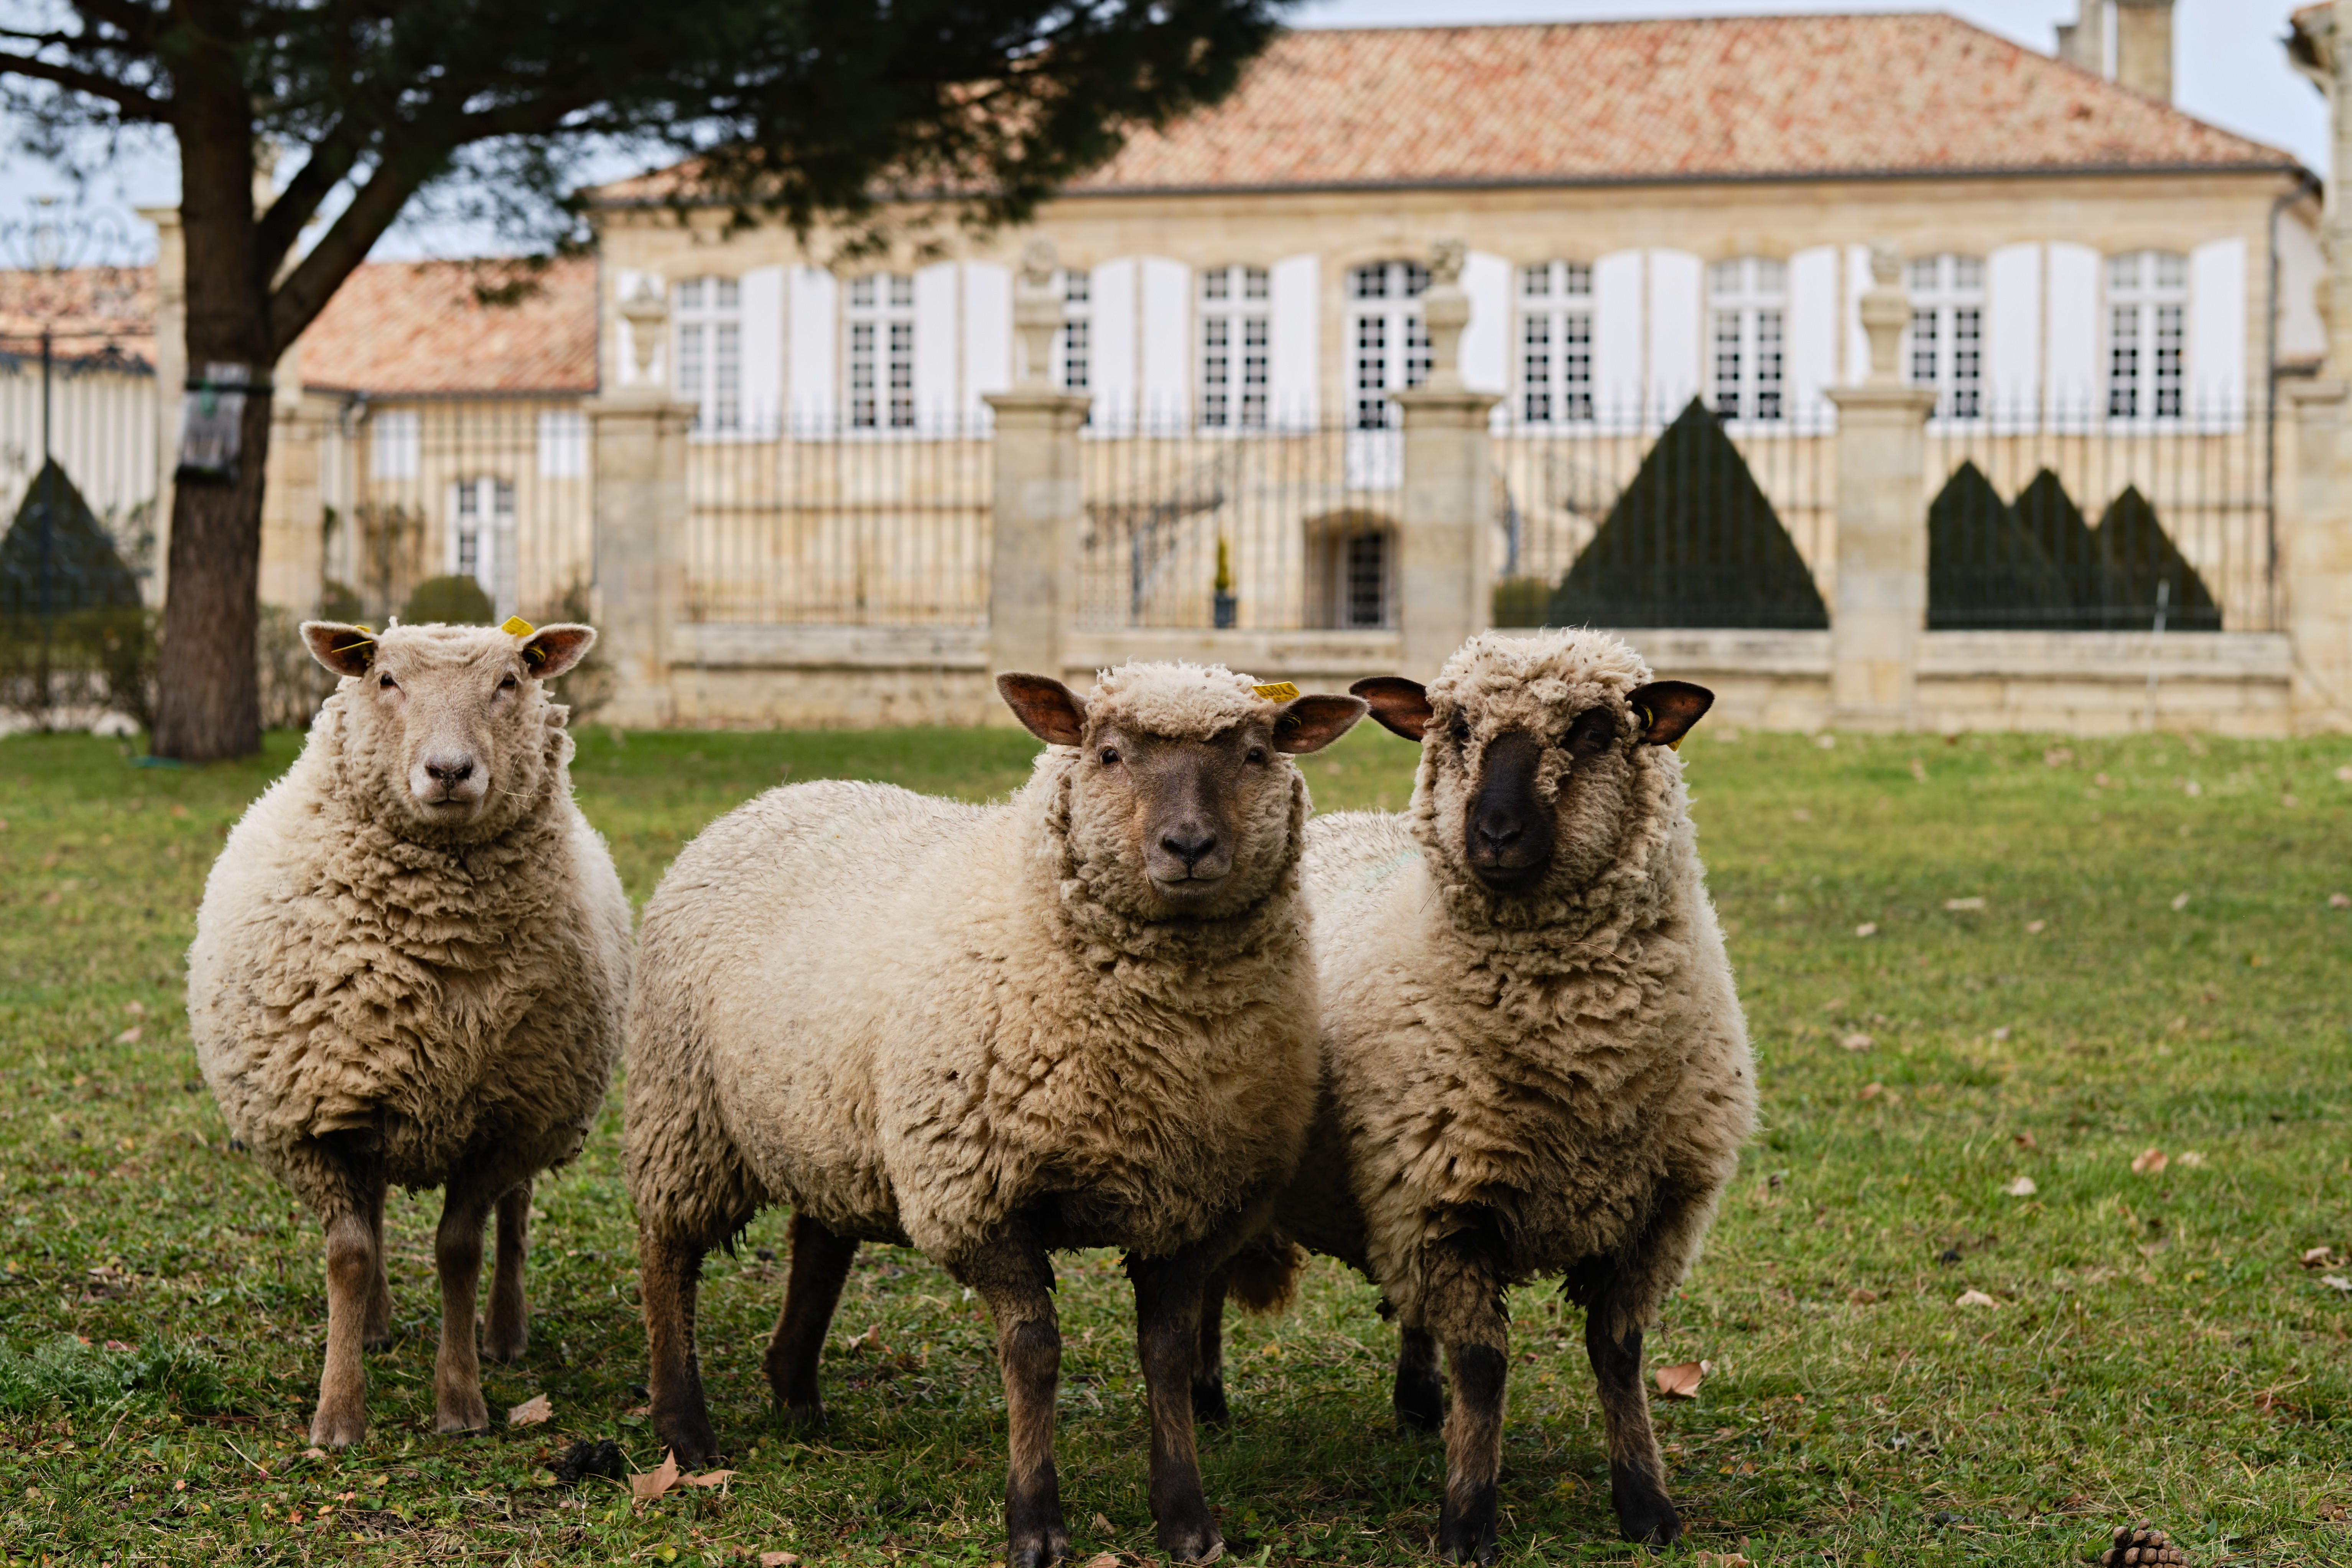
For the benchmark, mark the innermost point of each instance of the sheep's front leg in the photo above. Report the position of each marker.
(669, 1274)
(1209, 1406)
(351, 1268)
(457, 1405)
(1168, 1295)
(507, 1330)
(378, 1335)
(1420, 1397)
(1637, 1472)
(1012, 1276)
(819, 1263)
(1466, 1309)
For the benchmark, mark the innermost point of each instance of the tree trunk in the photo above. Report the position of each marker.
(208, 701)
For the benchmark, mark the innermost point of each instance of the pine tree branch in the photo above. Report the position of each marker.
(133, 102)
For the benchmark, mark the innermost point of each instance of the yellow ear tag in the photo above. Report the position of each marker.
(1276, 690)
(517, 627)
(367, 641)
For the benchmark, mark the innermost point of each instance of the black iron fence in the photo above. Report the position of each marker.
(2071, 521)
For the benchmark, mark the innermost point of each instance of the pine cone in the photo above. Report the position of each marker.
(2140, 1543)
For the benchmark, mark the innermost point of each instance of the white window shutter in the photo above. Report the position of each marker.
(814, 395)
(1166, 327)
(936, 332)
(987, 335)
(762, 362)
(1813, 333)
(1294, 334)
(1486, 342)
(2071, 384)
(1857, 341)
(2014, 335)
(2217, 334)
(1111, 337)
(1677, 317)
(1617, 337)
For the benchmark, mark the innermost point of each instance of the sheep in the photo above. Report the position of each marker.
(411, 965)
(1535, 1062)
(1083, 1018)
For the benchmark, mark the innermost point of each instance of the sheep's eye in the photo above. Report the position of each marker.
(387, 682)
(508, 684)
(1257, 755)
(1590, 734)
(1109, 756)
(1460, 730)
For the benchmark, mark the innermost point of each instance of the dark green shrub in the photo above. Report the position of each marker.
(453, 600)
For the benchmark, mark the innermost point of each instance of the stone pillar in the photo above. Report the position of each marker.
(1882, 522)
(1037, 503)
(293, 517)
(171, 374)
(640, 515)
(1444, 573)
(2314, 569)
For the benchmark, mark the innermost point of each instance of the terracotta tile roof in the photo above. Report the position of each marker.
(1732, 98)
(415, 327)
(90, 312)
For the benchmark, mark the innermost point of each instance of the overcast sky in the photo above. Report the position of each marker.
(2228, 68)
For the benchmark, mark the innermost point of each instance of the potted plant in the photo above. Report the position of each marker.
(1228, 609)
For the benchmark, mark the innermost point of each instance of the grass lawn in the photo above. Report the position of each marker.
(1968, 967)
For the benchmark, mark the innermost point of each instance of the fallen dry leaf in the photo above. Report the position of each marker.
(2024, 1140)
(1871, 1091)
(707, 1479)
(1861, 1297)
(2022, 1187)
(2001, 1032)
(1964, 903)
(531, 1412)
(1103, 1525)
(1681, 1381)
(130, 1037)
(638, 1410)
(1974, 1299)
(648, 1485)
(1867, 928)
(2180, 901)
(2318, 1256)
(2149, 1163)
(777, 1559)
(1105, 1560)
(2035, 928)
(2193, 1158)
(136, 1009)
(1857, 1042)
(2336, 1282)
(2339, 901)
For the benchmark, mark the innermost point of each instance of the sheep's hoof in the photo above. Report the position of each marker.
(333, 1429)
(502, 1344)
(1035, 1554)
(1209, 1407)
(1420, 1403)
(802, 1420)
(1192, 1540)
(689, 1437)
(463, 1412)
(1644, 1515)
(1468, 1536)
(376, 1339)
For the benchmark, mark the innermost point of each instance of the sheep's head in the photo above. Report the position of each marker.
(1183, 799)
(1536, 761)
(450, 723)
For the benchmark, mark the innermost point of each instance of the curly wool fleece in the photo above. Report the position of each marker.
(914, 1019)
(1566, 1068)
(437, 994)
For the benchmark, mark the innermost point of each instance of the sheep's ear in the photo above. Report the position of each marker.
(552, 650)
(1311, 722)
(345, 650)
(1398, 705)
(1051, 711)
(1669, 709)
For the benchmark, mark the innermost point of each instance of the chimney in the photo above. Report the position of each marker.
(2083, 43)
(2143, 46)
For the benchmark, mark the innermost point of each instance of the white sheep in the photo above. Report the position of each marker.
(411, 966)
(1535, 1062)
(1083, 1018)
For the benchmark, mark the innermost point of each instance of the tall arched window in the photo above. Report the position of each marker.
(2148, 334)
(708, 369)
(1388, 344)
(1237, 353)
(1747, 306)
(1947, 347)
(1555, 342)
(482, 537)
(881, 316)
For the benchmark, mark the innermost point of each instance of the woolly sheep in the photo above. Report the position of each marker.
(411, 966)
(1083, 1018)
(1535, 1061)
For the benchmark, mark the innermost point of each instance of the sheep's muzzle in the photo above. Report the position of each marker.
(1506, 837)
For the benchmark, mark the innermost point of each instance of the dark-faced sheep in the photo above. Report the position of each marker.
(1535, 1063)
(411, 966)
(1085, 1017)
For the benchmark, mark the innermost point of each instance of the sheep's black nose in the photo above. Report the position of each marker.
(1189, 846)
(450, 770)
(1497, 833)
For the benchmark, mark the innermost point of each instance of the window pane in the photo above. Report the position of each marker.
(687, 382)
(1723, 278)
(1920, 274)
(726, 373)
(1768, 366)
(2169, 361)
(1535, 281)
(1967, 273)
(2123, 361)
(1966, 398)
(1576, 366)
(1253, 283)
(1214, 283)
(689, 294)
(1076, 287)
(726, 293)
(1771, 277)
(861, 293)
(1576, 278)
(1216, 372)
(2171, 271)
(1366, 577)
(1923, 348)
(1076, 349)
(1372, 354)
(1535, 366)
(1254, 370)
(1368, 282)
(902, 291)
(1727, 364)
(1416, 280)
(1416, 351)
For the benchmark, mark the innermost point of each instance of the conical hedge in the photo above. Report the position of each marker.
(2139, 555)
(84, 572)
(1692, 541)
(2050, 516)
(1986, 570)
